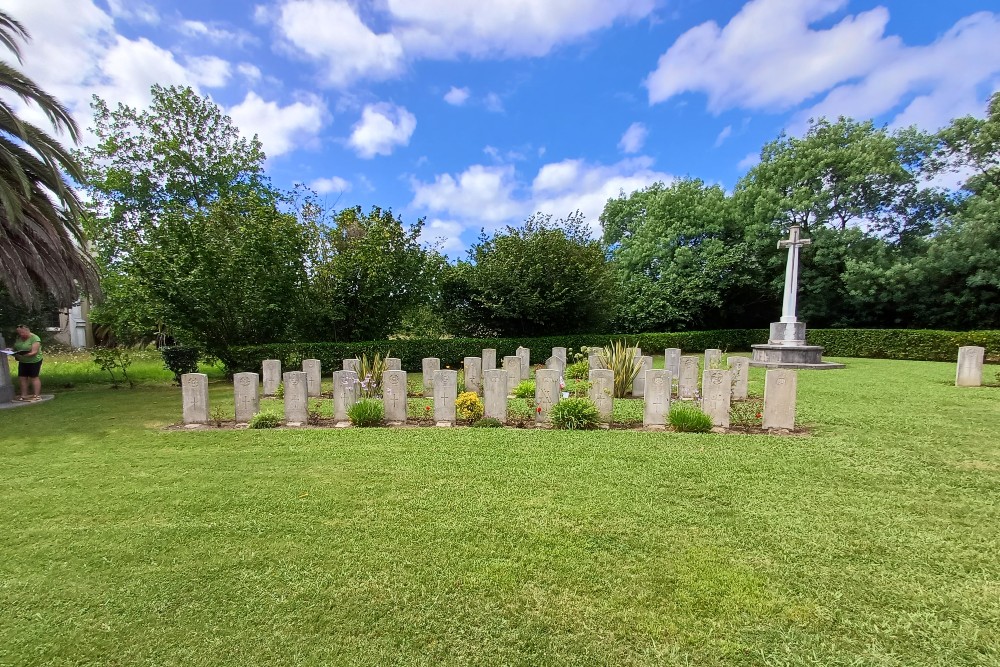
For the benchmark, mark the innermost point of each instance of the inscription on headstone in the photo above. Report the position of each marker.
(547, 393)
(473, 374)
(656, 405)
(513, 367)
(272, 376)
(314, 375)
(489, 359)
(495, 394)
(594, 361)
(194, 393)
(353, 365)
(345, 393)
(296, 397)
(445, 393)
(394, 396)
(639, 382)
(740, 368)
(393, 364)
(779, 399)
(246, 396)
(687, 384)
(430, 365)
(717, 390)
(602, 391)
(560, 352)
(970, 366)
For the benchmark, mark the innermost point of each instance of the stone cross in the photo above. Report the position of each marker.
(296, 397)
(194, 391)
(602, 391)
(656, 405)
(246, 396)
(495, 394)
(394, 396)
(793, 243)
(272, 376)
(547, 393)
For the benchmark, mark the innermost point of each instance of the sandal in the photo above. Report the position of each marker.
(20, 398)
(33, 399)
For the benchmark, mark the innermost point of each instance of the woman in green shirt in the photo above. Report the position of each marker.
(28, 354)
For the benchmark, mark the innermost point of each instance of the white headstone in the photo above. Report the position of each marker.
(246, 396)
(594, 361)
(656, 405)
(513, 367)
(639, 382)
(296, 397)
(713, 360)
(445, 393)
(314, 375)
(495, 394)
(393, 364)
(352, 365)
(560, 352)
(717, 390)
(602, 391)
(525, 355)
(272, 376)
(740, 368)
(687, 383)
(194, 392)
(430, 365)
(779, 399)
(473, 367)
(970, 366)
(394, 396)
(489, 359)
(547, 393)
(345, 393)
(672, 362)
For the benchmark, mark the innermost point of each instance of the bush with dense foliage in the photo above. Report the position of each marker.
(574, 414)
(689, 418)
(180, 359)
(366, 412)
(265, 420)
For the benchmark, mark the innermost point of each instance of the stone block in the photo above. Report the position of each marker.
(780, 387)
(393, 364)
(525, 355)
(970, 366)
(352, 365)
(194, 394)
(672, 362)
(594, 361)
(489, 359)
(512, 365)
(246, 396)
(713, 360)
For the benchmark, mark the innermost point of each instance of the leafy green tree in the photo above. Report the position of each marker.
(543, 278)
(41, 241)
(973, 144)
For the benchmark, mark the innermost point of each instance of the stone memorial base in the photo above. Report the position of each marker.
(21, 404)
(787, 348)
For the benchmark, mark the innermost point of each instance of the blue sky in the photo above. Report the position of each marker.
(474, 114)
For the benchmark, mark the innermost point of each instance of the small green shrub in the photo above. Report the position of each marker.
(180, 359)
(574, 414)
(265, 420)
(113, 359)
(526, 389)
(280, 391)
(366, 412)
(578, 370)
(469, 406)
(689, 418)
(746, 414)
(486, 422)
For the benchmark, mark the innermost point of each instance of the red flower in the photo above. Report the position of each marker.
(538, 409)
(758, 415)
(427, 408)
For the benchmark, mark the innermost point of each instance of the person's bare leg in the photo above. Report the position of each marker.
(24, 387)
(36, 386)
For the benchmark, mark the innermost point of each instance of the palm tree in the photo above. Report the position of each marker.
(41, 237)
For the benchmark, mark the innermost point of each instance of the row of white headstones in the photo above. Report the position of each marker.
(719, 387)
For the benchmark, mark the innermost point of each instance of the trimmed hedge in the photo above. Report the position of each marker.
(871, 343)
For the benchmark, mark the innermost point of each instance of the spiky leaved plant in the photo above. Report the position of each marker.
(620, 359)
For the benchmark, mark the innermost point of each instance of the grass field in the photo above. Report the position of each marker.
(874, 541)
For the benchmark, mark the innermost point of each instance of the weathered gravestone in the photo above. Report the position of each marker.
(194, 393)
(296, 397)
(555, 363)
(495, 394)
(489, 359)
(713, 360)
(639, 382)
(594, 361)
(740, 368)
(560, 352)
(779, 399)
(602, 391)
(513, 367)
(272, 376)
(246, 396)
(547, 392)
(345, 393)
(717, 390)
(445, 393)
(394, 396)
(687, 383)
(473, 373)
(314, 376)
(430, 365)
(525, 355)
(672, 362)
(393, 364)
(970, 366)
(656, 405)
(352, 365)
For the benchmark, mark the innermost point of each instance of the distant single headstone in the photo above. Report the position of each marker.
(393, 364)
(194, 393)
(594, 361)
(779, 399)
(473, 374)
(489, 359)
(561, 353)
(394, 396)
(353, 365)
(672, 362)
(314, 375)
(656, 405)
(445, 393)
(740, 368)
(512, 365)
(547, 393)
(713, 360)
(687, 383)
(272, 376)
(525, 355)
(430, 365)
(246, 396)
(296, 397)
(345, 393)
(717, 390)
(639, 382)
(555, 363)
(602, 391)
(970, 366)
(637, 353)
(495, 394)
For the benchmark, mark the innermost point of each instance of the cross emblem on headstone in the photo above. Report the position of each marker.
(792, 243)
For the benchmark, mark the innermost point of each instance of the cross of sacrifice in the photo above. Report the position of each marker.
(793, 243)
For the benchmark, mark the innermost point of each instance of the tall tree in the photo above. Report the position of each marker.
(42, 245)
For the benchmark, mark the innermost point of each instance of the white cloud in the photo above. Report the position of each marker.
(325, 186)
(214, 33)
(493, 103)
(249, 71)
(134, 11)
(484, 193)
(381, 129)
(281, 129)
(446, 234)
(331, 33)
(457, 96)
(634, 138)
(726, 132)
(209, 71)
(749, 161)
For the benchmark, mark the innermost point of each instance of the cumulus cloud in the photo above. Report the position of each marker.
(325, 186)
(134, 11)
(484, 193)
(446, 234)
(634, 138)
(381, 129)
(457, 96)
(281, 129)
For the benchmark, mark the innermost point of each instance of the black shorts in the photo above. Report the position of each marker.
(29, 370)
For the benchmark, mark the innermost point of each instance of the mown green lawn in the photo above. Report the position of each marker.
(875, 541)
